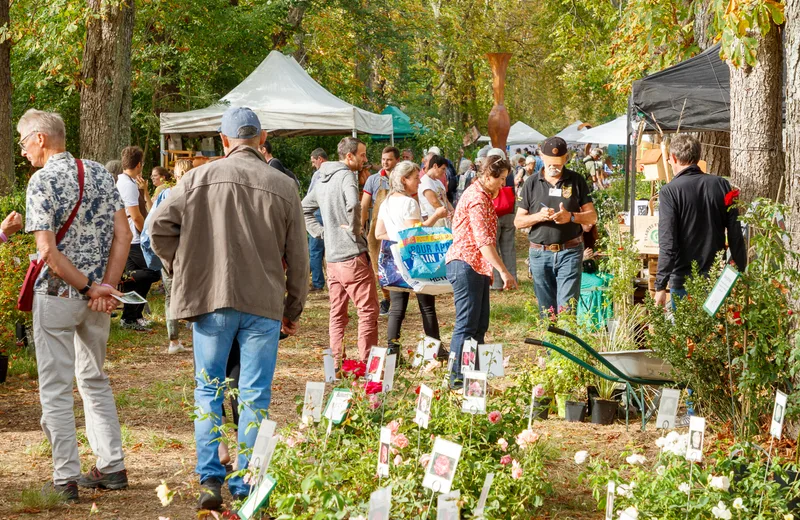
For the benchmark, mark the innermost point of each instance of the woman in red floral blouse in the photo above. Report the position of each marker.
(472, 256)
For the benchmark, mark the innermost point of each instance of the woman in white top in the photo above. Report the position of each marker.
(401, 211)
(432, 193)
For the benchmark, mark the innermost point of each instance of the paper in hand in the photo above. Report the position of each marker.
(132, 298)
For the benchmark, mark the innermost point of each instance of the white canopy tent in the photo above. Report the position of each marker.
(571, 134)
(287, 101)
(519, 134)
(614, 132)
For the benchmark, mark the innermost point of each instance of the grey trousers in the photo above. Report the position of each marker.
(71, 342)
(172, 325)
(505, 248)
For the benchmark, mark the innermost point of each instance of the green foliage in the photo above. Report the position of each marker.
(735, 361)
(741, 22)
(13, 264)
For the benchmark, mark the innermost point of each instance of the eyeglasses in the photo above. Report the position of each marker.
(23, 139)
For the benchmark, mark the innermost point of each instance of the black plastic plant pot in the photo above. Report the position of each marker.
(3, 368)
(541, 408)
(576, 411)
(604, 411)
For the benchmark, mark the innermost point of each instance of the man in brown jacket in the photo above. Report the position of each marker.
(224, 234)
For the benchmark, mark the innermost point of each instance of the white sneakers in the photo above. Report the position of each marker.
(177, 348)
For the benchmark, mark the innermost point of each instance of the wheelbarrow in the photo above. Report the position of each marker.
(636, 369)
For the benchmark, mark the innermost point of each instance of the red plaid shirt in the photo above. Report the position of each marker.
(474, 226)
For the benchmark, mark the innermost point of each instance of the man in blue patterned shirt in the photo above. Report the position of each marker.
(73, 300)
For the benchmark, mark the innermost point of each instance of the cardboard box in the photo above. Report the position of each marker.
(653, 166)
(645, 235)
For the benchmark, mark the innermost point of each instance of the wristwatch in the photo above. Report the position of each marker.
(87, 288)
(572, 217)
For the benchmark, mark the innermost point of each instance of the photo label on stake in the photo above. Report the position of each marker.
(487, 484)
(422, 413)
(427, 349)
(380, 504)
(778, 414)
(312, 403)
(383, 452)
(491, 359)
(377, 358)
(469, 354)
(441, 468)
(474, 392)
(329, 365)
(447, 506)
(697, 432)
(265, 433)
(388, 372)
(612, 489)
(668, 408)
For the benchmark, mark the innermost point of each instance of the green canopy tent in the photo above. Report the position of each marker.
(403, 127)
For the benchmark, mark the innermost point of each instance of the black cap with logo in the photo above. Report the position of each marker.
(554, 147)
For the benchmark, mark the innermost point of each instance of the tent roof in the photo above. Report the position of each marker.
(571, 134)
(519, 133)
(403, 127)
(288, 102)
(615, 132)
(695, 92)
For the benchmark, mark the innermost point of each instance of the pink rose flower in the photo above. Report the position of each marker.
(538, 391)
(394, 426)
(398, 460)
(400, 440)
(526, 438)
(475, 389)
(495, 416)
(441, 466)
(374, 402)
(505, 460)
(424, 460)
(503, 444)
(516, 470)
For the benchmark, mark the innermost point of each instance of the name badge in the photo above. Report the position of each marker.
(555, 192)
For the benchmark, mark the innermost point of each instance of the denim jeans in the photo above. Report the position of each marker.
(316, 252)
(677, 294)
(556, 277)
(471, 298)
(213, 336)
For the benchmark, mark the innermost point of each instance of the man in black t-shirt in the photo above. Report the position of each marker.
(554, 204)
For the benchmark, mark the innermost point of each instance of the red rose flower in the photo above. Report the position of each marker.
(731, 196)
(417, 390)
(374, 387)
(354, 368)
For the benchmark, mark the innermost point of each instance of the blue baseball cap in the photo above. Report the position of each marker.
(240, 123)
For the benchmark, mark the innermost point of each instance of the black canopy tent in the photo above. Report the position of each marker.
(693, 96)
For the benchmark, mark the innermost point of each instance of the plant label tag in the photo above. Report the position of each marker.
(329, 366)
(423, 410)
(447, 506)
(474, 392)
(380, 504)
(778, 413)
(612, 489)
(377, 357)
(132, 298)
(490, 359)
(271, 445)
(721, 290)
(427, 349)
(312, 403)
(388, 372)
(338, 403)
(257, 499)
(469, 354)
(697, 432)
(441, 468)
(487, 484)
(668, 408)
(451, 362)
(383, 452)
(261, 446)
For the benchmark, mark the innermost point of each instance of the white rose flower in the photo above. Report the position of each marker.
(722, 483)
(630, 513)
(661, 442)
(684, 488)
(581, 457)
(788, 516)
(661, 470)
(721, 511)
(636, 459)
(625, 490)
(738, 503)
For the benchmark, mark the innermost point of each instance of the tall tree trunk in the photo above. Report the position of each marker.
(6, 125)
(106, 81)
(715, 150)
(756, 123)
(792, 49)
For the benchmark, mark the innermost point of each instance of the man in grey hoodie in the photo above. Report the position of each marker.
(350, 274)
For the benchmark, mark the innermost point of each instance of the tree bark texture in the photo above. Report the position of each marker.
(715, 151)
(792, 49)
(6, 124)
(757, 159)
(106, 81)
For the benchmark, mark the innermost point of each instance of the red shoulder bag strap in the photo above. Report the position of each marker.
(63, 231)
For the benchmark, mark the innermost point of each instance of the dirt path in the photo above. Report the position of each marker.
(154, 396)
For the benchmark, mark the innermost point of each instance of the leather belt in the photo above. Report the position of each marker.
(555, 248)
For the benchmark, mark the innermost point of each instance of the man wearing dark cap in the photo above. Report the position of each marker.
(224, 234)
(554, 203)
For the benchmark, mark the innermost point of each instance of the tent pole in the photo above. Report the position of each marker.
(161, 156)
(391, 138)
(633, 177)
(629, 129)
